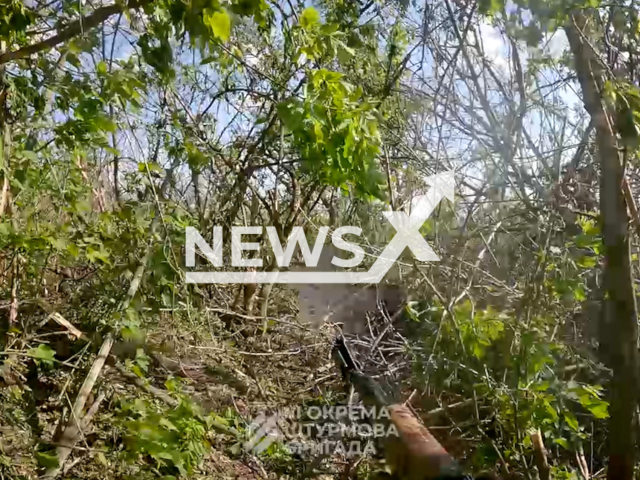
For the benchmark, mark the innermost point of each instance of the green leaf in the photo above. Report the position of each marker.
(309, 17)
(490, 7)
(550, 410)
(73, 250)
(541, 387)
(142, 360)
(102, 459)
(571, 421)
(152, 166)
(29, 155)
(346, 53)
(579, 294)
(102, 68)
(43, 353)
(135, 369)
(589, 398)
(290, 112)
(168, 425)
(599, 409)
(163, 455)
(172, 384)
(219, 23)
(59, 244)
(93, 255)
(587, 262)
(562, 442)
(235, 449)
(47, 460)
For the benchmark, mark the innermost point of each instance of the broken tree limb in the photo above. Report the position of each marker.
(77, 421)
(540, 454)
(582, 464)
(63, 322)
(15, 286)
(135, 284)
(92, 376)
(142, 385)
(71, 436)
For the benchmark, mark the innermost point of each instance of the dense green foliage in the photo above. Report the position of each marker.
(122, 124)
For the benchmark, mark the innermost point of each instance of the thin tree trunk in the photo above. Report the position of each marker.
(116, 164)
(618, 329)
(195, 179)
(15, 286)
(5, 140)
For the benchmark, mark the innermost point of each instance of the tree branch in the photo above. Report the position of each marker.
(82, 24)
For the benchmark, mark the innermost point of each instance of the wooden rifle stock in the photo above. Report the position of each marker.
(416, 454)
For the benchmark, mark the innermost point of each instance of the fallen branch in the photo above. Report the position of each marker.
(77, 422)
(63, 322)
(92, 376)
(133, 379)
(15, 286)
(540, 454)
(72, 435)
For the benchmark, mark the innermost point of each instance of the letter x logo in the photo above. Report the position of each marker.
(408, 227)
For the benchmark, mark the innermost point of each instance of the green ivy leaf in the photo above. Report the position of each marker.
(93, 255)
(142, 360)
(73, 249)
(59, 244)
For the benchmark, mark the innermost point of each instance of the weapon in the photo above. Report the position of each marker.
(415, 454)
